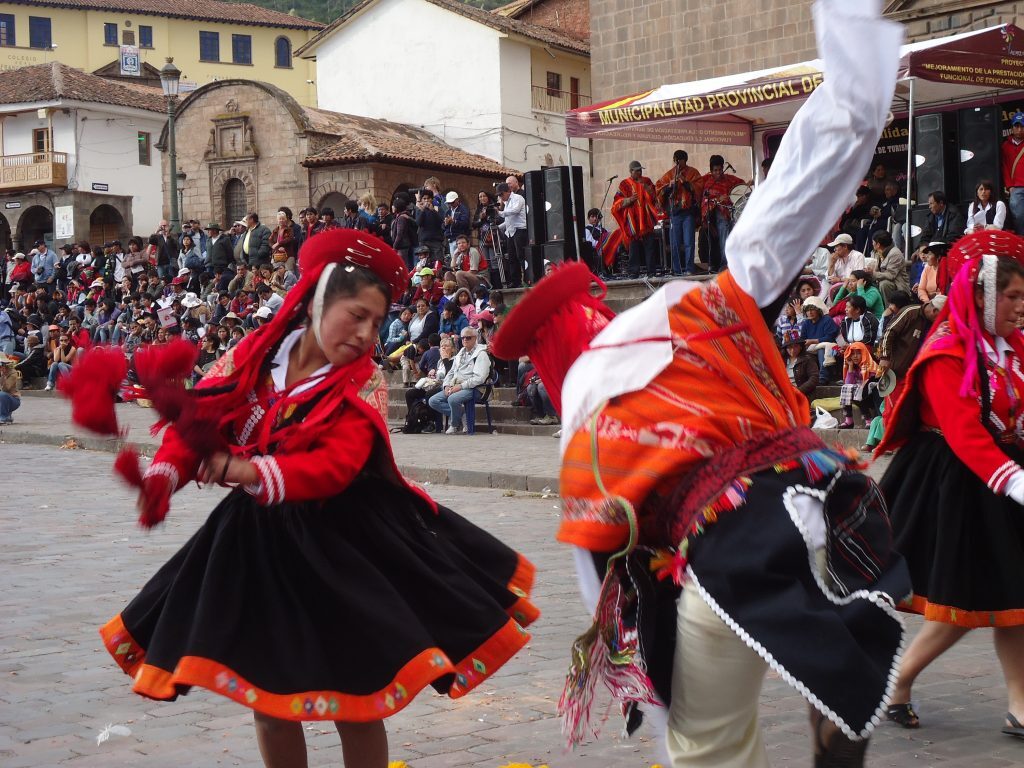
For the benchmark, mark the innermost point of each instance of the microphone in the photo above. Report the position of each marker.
(613, 178)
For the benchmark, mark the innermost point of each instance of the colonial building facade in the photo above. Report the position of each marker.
(244, 145)
(78, 157)
(636, 47)
(209, 41)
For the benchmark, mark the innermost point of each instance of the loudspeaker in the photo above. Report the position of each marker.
(559, 212)
(979, 135)
(935, 144)
(533, 191)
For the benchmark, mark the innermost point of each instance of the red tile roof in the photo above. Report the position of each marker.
(203, 10)
(55, 81)
(487, 18)
(367, 140)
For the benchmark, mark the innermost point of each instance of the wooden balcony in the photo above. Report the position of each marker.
(551, 100)
(36, 170)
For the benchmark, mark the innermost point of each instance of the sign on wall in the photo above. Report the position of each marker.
(63, 222)
(130, 63)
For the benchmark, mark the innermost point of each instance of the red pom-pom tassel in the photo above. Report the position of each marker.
(127, 466)
(92, 386)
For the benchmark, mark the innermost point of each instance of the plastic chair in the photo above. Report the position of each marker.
(481, 398)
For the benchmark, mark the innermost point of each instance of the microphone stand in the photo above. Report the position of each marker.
(606, 191)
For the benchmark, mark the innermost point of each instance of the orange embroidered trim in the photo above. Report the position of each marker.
(592, 536)
(522, 610)
(419, 672)
(973, 619)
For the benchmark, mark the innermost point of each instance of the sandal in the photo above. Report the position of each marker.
(903, 715)
(1014, 728)
(840, 752)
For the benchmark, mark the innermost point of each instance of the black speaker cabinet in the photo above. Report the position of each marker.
(979, 138)
(558, 204)
(935, 144)
(533, 191)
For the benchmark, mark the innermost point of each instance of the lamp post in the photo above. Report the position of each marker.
(181, 193)
(170, 77)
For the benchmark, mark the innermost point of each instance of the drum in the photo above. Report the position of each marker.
(740, 195)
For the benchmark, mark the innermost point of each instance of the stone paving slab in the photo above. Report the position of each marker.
(482, 460)
(71, 556)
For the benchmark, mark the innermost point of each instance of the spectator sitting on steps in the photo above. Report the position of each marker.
(470, 369)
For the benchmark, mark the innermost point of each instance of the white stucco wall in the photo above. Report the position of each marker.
(413, 62)
(105, 152)
(108, 154)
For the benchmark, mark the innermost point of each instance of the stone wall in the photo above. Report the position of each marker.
(384, 179)
(268, 163)
(639, 46)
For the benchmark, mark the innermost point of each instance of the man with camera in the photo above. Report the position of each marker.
(512, 210)
(44, 265)
(430, 226)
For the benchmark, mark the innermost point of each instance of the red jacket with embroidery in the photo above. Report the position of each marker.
(932, 399)
(357, 438)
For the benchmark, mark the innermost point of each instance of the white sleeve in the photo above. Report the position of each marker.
(1014, 487)
(1000, 219)
(824, 152)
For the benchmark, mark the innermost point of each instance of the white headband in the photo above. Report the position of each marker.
(318, 300)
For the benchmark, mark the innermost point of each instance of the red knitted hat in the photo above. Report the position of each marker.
(554, 324)
(358, 248)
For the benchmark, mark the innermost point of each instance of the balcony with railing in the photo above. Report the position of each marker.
(553, 100)
(35, 170)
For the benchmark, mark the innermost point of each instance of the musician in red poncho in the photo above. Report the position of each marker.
(635, 209)
(323, 586)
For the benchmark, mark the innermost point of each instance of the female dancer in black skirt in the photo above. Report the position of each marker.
(956, 486)
(323, 587)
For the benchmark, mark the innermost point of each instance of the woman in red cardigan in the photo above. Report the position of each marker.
(323, 586)
(956, 487)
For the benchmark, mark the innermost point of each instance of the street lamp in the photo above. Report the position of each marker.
(181, 193)
(170, 76)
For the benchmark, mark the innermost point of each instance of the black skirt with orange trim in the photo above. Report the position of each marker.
(963, 543)
(343, 610)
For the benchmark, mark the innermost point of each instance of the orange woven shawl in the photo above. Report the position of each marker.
(725, 384)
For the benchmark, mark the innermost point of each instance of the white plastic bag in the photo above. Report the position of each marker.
(824, 420)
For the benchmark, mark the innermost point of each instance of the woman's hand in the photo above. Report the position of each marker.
(225, 469)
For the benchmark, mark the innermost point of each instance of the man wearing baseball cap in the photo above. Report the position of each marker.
(844, 259)
(635, 209)
(1013, 169)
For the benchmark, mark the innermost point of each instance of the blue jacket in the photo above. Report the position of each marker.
(823, 330)
(460, 222)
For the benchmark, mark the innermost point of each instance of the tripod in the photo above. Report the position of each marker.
(498, 254)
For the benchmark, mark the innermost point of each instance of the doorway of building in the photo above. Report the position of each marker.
(234, 202)
(105, 224)
(5, 235)
(336, 202)
(36, 223)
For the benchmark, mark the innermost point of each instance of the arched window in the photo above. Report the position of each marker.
(283, 53)
(234, 201)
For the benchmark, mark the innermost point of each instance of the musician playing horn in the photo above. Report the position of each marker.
(679, 191)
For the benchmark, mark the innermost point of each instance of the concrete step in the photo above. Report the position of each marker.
(500, 412)
(528, 430)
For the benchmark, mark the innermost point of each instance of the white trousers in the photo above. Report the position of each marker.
(716, 686)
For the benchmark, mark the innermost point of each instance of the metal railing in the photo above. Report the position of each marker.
(33, 170)
(550, 100)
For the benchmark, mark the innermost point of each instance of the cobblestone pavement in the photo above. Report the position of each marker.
(71, 556)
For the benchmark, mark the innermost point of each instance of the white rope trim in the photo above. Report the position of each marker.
(258, 412)
(1002, 474)
(166, 469)
(880, 599)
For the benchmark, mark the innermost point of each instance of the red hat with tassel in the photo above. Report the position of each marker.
(554, 324)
